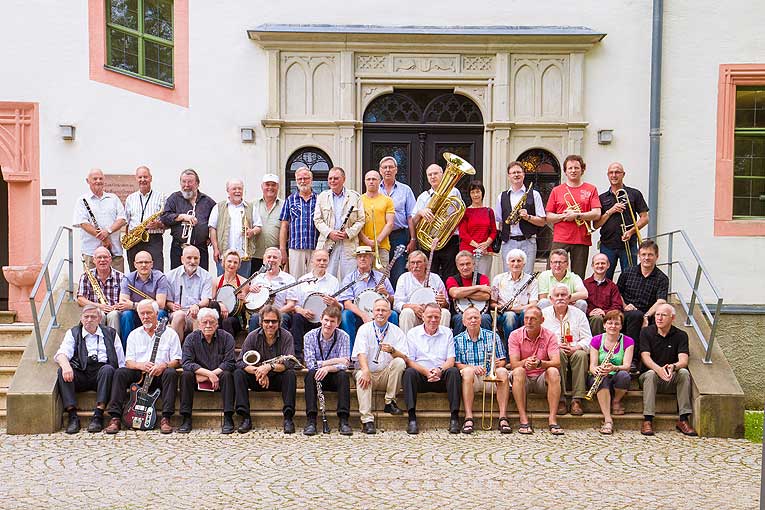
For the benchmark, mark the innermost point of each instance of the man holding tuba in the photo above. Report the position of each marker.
(571, 209)
(234, 223)
(142, 209)
(270, 341)
(473, 353)
(443, 259)
(619, 228)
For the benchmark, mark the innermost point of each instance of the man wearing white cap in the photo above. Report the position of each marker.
(269, 207)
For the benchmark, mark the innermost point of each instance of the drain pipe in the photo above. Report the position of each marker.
(655, 119)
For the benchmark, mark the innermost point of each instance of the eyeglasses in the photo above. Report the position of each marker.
(269, 321)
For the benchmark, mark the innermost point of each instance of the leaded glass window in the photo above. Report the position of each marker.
(749, 154)
(139, 38)
(318, 163)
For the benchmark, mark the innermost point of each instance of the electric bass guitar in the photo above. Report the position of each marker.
(141, 411)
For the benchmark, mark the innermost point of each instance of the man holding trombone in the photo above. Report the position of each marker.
(625, 213)
(475, 350)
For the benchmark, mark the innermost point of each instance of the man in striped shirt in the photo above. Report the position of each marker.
(298, 232)
(473, 350)
(139, 206)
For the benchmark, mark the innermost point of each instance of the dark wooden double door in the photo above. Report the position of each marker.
(417, 147)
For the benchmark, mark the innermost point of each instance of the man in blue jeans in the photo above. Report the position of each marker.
(403, 201)
(146, 283)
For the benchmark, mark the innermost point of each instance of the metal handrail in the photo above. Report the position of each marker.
(50, 284)
(696, 299)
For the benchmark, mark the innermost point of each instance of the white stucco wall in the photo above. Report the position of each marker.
(118, 130)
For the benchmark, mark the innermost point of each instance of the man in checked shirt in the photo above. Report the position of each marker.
(109, 280)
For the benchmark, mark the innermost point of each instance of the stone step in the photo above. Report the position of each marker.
(15, 335)
(6, 375)
(7, 316)
(10, 356)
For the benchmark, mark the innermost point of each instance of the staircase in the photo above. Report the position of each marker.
(13, 341)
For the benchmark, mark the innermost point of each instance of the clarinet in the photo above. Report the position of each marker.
(107, 243)
(342, 229)
(322, 408)
(507, 305)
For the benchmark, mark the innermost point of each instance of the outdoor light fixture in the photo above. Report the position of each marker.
(248, 134)
(66, 131)
(605, 136)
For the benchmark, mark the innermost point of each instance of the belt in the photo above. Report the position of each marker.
(399, 229)
(519, 238)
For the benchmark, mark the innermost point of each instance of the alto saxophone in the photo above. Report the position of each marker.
(515, 214)
(140, 234)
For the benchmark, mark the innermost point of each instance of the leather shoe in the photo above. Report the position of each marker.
(647, 428)
(454, 426)
(345, 427)
(114, 426)
(685, 428)
(73, 426)
(562, 408)
(411, 427)
(96, 424)
(185, 427)
(164, 426)
(245, 426)
(310, 428)
(228, 425)
(289, 426)
(392, 408)
(368, 428)
(576, 408)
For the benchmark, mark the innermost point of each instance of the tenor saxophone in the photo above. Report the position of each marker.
(140, 234)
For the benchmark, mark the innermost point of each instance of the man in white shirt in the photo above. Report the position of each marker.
(509, 286)
(227, 232)
(430, 367)
(571, 327)
(87, 359)
(410, 314)
(100, 216)
(318, 280)
(272, 279)
(140, 345)
(190, 290)
(139, 207)
(380, 350)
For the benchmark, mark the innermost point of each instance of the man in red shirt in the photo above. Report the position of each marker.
(602, 294)
(535, 362)
(468, 288)
(571, 209)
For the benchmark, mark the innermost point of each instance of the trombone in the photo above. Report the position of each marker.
(490, 377)
(378, 262)
(573, 205)
(623, 198)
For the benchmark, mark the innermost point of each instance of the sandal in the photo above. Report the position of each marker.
(504, 426)
(555, 429)
(617, 408)
(467, 426)
(607, 428)
(525, 428)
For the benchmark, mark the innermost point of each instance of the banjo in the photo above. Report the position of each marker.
(366, 298)
(462, 304)
(256, 300)
(227, 293)
(315, 300)
(426, 294)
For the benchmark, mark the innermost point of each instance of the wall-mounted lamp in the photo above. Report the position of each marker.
(66, 131)
(248, 134)
(605, 136)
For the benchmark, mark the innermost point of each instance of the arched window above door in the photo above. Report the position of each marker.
(425, 106)
(317, 162)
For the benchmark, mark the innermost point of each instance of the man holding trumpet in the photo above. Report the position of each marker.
(619, 227)
(571, 209)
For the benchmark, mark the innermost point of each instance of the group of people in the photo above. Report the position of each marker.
(325, 281)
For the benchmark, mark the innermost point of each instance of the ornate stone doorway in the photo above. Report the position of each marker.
(417, 127)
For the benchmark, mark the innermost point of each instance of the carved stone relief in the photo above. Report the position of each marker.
(478, 63)
(310, 85)
(365, 63)
(424, 64)
(539, 87)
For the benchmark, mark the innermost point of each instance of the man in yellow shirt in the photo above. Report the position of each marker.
(379, 217)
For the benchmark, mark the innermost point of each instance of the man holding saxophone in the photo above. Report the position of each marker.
(143, 208)
(619, 228)
(571, 209)
(234, 223)
(101, 288)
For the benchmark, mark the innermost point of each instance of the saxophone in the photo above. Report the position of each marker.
(94, 283)
(515, 214)
(140, 234)
(599, 377)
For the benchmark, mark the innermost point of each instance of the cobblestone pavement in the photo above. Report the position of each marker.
(266, 469)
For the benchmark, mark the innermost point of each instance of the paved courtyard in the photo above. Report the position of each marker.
(265, 469)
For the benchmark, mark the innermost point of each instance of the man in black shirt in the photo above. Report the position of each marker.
(643, 289)
(615, 243)
(192, 208)
(208, 365)
(664, 352)
(270, 341)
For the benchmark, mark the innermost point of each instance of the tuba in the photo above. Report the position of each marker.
(448, 210)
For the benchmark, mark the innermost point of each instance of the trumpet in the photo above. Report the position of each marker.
(188, 227)
(623, 198)
(573, 205)
(490, 377)
(599, 376)
(378, 262)
(245, 241)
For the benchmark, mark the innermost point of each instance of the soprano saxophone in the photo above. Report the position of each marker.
(599, 377)
(94, 283)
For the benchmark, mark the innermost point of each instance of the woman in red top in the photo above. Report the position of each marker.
(231, 263)
(478, 227)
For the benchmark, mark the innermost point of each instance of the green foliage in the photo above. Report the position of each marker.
(753, 426)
